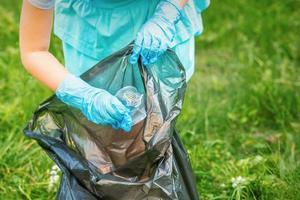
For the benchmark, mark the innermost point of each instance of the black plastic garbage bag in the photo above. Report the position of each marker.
(99, 162)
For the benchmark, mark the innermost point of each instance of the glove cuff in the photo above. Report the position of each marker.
(73, 91)
(175, 3)
(169, 11)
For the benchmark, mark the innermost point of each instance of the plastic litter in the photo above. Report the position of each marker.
(135, 101)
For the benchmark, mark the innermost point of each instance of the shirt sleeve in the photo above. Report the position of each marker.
(42, 4)
(201, 5)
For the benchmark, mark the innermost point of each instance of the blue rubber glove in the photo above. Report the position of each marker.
(98, 105)
(157, 33)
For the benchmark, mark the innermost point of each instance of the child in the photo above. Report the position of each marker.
(93, 29)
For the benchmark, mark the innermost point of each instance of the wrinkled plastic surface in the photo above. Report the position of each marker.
(99, 162)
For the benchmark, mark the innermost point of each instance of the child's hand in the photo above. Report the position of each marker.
(98, 105)
(157, 33)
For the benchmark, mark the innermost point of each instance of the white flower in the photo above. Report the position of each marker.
(244, 162)
(238, 181)
(258, 158)
(54, 177)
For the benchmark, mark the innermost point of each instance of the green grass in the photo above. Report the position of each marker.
(241, 114)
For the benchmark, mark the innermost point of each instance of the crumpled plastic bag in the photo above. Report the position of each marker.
(98, 162)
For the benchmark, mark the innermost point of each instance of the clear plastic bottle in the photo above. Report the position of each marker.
(135, 101)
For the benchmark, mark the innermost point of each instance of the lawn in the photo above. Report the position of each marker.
(241, 116)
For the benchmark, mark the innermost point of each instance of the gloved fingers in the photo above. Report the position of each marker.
(99, 118)
(116, 125)
(97, 113)
(163, 48)
(117, 110)
(104, 118)
(92, 114)
(108, 111)
(105, 109)
(114, 113)
(126, 123)
(99, 108)
(135, 54)
(124, 118)
(137, 48)
(155, 50)
(145, 54)
(106, 121)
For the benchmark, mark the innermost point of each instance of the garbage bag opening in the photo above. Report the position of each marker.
(99, 162)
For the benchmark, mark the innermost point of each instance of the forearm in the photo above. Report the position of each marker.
(35, 32)
(44, 67)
